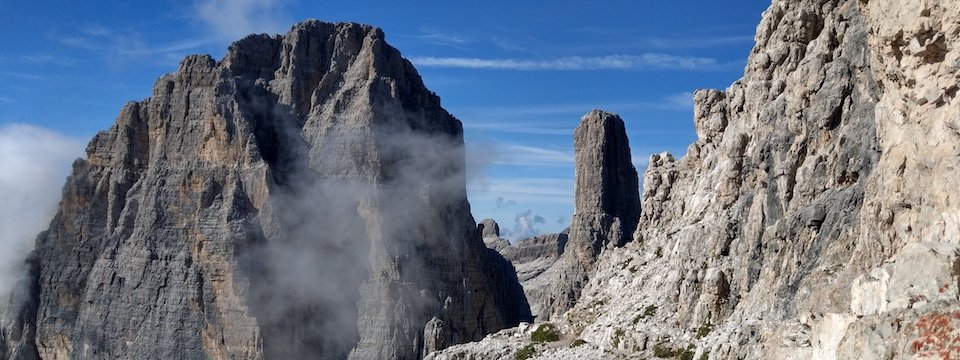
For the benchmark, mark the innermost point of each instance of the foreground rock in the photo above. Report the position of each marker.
(816, 215)
(303, 197)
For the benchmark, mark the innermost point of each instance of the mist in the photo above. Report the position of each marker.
(34, 162)
(358, 221)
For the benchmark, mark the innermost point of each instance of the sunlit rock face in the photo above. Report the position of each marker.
(815, 217)
(303, 197)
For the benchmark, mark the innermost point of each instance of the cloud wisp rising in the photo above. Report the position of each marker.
(573, 63)
(33, 165)
(233, 19)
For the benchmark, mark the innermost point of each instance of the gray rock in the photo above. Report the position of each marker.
(491, 235)
(606, 205)
(304, 197)
(489, 228)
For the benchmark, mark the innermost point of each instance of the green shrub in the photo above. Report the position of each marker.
(577, 342)
(545, 333)
(704, 330)
(659, 252)
(527, 352)
(705, 355)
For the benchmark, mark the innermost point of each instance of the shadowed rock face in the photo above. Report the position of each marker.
(302, 197)
(535, 260)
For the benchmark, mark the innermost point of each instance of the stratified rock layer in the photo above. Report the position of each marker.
(301, 198)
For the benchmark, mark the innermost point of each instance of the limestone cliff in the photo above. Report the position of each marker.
(816, 215)
(303, 197)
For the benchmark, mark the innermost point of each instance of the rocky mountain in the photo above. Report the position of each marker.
(815, 217)
(303, 197)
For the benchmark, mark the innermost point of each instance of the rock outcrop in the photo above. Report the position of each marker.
(303, 197)
(490, 231)
(536, 261)
(815, 217)
(606, 205)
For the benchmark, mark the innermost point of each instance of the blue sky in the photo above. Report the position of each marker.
(519, 74)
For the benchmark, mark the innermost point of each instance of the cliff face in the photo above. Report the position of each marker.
(811, 218)
(302, 197)
(815, 216)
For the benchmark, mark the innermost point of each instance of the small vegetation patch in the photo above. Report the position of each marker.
(659, 252)
(577, 342)
(545, 333)
(705, 355)
(527, 352)
(647, 312)
(667, 352)
(617, 337)
(704, 330)
(664, 352)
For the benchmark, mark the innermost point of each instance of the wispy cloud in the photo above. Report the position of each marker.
(573, 63)
(682, 100)
(696, 42)
(474, 116)
(522, 155)
(33, 163)
(233, 19)
(45, 59)
(118, 45)
(518, 128)
(507, 44)
(434, 37)
(527, 191)
(20, 75)
(4, 99)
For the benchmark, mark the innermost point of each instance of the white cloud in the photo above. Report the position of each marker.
(682, 100)
(518, 128)
(513, 154)
(698, 42)
(33, 165)
(620, 62)
(431, 36)
(233, 19)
